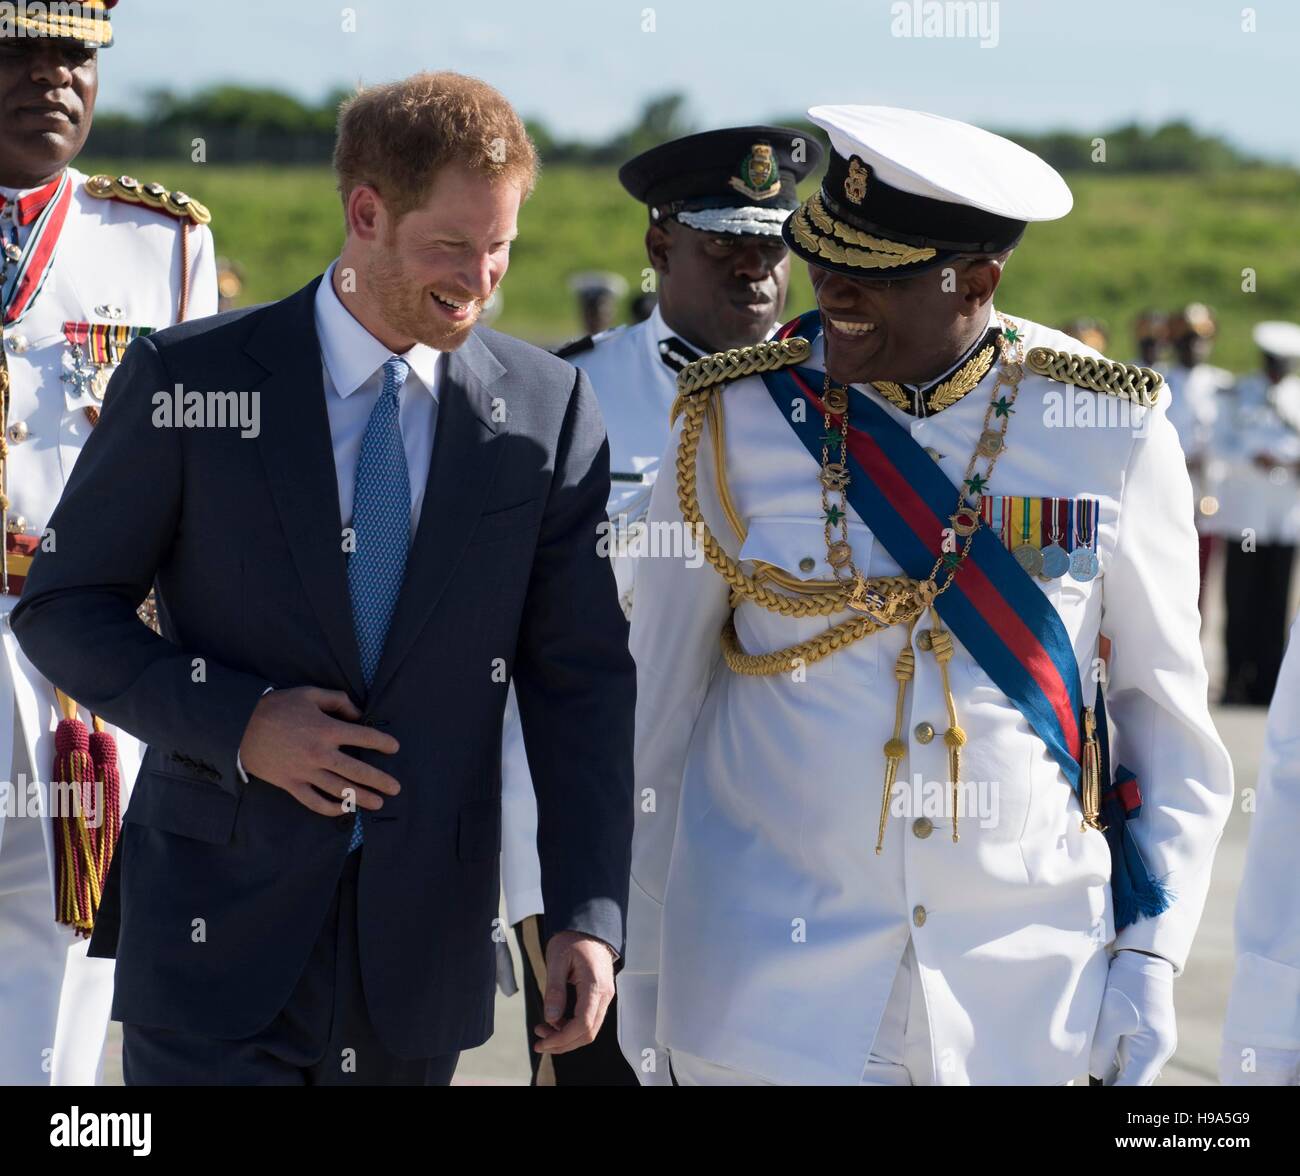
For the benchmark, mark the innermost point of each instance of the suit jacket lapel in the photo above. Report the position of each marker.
(466, 450)
(298, 455)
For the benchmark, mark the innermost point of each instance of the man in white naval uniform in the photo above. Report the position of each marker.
(90, 263)
(716, 203)
(767, 942)
(1261, 1033)
(1196, 388)
(1256, 448)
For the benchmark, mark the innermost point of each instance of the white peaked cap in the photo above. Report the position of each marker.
(942, 159)
(1280, 339)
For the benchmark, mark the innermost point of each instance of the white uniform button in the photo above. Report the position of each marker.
(923, 639)
(918, 916)
(17, 344)
(807, 563)
(923, 827)
(17, 524)
(924, 732)
(18, 432)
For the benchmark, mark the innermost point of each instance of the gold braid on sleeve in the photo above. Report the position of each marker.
(903, 599)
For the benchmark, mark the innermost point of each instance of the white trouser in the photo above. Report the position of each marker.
(900, 1054)
(54, 1000)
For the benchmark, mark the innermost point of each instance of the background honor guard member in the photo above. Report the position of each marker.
(1257, 460)
(891, 838)
(1196, 387)
(88, 264)
(598, 294)
(717, 201)
(1261, 1033)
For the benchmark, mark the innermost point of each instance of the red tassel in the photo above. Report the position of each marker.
(108, 781)
(72, 785)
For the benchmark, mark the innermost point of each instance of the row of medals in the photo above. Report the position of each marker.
(1053, 561)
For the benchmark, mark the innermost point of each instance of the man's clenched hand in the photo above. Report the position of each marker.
(588, 964)
(294, 742)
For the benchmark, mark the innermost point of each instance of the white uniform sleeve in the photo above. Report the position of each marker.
(203, 273)
(676, 623)
(1264, 1009)
(1156, 696)
(521, 868)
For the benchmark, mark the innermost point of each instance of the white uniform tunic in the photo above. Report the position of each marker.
(1258, 420)
(634, 373)
(764, 932)
(1264, 1009)
(115, 263)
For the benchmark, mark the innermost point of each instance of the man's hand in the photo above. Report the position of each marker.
(588, 964)
(293, 742)
(1136, 1032)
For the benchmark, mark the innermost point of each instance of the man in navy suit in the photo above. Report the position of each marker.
(399, 519)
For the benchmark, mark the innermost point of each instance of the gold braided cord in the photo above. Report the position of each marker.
(1139, 384)
(904, 598)
(737, 363)
(717, 432)
(805, 653)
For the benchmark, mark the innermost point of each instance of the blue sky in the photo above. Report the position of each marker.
(586, 66)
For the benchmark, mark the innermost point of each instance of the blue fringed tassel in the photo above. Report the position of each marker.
(1135, 894)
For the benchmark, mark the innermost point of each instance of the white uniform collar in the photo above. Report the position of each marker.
(351, 353)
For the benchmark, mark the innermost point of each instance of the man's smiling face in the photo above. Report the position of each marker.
(903, 329)
(430, 274)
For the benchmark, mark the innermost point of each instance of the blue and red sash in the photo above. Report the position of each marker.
(997, 612)
(994, 608)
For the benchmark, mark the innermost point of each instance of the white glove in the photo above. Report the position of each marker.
(1269, 1067)
(1136, 1031)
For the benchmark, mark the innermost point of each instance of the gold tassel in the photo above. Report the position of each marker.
(954, 737)
(1091, 783)
(895, 748)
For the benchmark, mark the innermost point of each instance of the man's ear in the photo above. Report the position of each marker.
(980, 281)
(366, 215)
(658, 245)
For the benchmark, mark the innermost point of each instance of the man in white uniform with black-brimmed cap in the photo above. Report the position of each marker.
(886, 832)
(715, 203)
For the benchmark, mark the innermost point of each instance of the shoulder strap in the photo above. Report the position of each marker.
(1126, 380)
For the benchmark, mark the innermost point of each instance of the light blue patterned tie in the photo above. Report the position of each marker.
(381, 525)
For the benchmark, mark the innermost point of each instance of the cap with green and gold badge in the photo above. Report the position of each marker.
(734, 180)
(86, 22)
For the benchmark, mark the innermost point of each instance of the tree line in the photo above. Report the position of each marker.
(243, 124)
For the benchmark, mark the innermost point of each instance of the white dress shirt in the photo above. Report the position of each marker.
(353, 361)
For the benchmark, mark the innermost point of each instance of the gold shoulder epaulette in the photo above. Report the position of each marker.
(153, 195)
(1139, 384)
(709, 371)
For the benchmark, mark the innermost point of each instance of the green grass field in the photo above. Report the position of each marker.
(1131, 242)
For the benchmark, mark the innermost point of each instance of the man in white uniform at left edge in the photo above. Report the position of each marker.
(89, 264)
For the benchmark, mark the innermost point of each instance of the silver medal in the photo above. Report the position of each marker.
(1056, 561)
(1083, 563)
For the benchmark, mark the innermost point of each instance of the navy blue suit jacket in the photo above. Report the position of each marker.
(219, 887)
